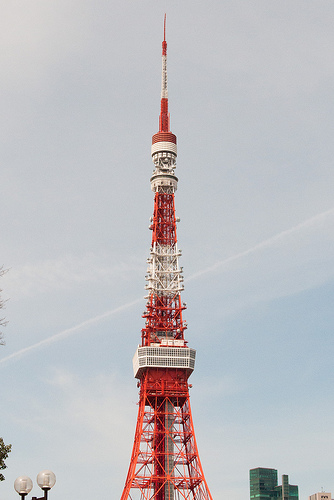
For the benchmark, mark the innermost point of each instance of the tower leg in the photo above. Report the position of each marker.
(165, 464)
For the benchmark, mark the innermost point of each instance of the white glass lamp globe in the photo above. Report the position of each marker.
(23, 485)
(46, 479)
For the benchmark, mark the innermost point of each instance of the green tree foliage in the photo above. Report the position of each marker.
(4, 451)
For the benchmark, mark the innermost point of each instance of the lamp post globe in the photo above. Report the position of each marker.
(23, 485)
(46, 479)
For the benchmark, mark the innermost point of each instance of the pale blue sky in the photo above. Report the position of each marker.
(251, 102)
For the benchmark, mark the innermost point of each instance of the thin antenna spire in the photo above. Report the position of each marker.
(164, 115)
(165, 28)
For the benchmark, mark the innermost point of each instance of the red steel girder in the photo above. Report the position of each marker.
(164, 223)
(163, 318)
(165, 464)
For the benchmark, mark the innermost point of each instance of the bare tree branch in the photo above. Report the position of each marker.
(3, 321)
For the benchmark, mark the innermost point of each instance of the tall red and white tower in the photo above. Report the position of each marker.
(165, 464)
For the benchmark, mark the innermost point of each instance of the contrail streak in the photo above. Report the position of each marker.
(66, 333)
(263, 244)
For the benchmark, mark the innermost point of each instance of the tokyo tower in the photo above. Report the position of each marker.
(164, 464)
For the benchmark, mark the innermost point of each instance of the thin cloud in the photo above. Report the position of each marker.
(65, 272)
(313, 221)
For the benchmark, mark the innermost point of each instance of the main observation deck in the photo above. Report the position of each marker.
(164, 356)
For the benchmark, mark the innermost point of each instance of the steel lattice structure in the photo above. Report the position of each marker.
(165, 463)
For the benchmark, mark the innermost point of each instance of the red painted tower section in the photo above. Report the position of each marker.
(165, 464)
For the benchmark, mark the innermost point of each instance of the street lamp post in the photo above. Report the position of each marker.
(45, 480)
